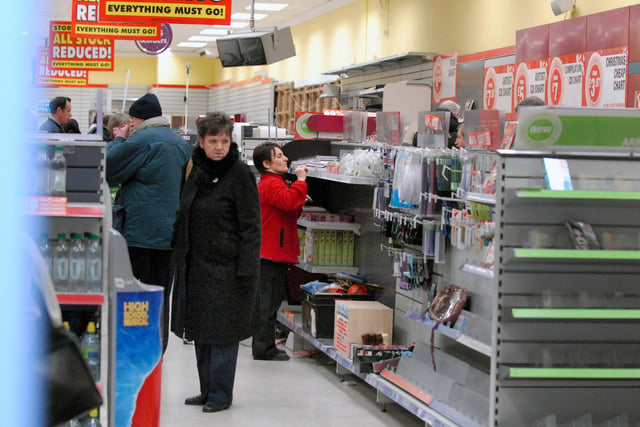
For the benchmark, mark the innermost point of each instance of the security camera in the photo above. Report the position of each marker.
(202, 52)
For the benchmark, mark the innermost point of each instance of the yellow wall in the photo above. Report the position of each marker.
(365, 30)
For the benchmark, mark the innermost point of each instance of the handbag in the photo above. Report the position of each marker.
(71, 389)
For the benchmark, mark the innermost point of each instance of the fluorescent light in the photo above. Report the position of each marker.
(191, 44)
(274, 7)
(214, 32)
(202, 38)
(257, 16)
(235, 24)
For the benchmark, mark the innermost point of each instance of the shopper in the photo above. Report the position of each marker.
(60, 109)
(106, 133)
(217, 252)
(454, 120)
(148, 168)
(71, 126)
(280, 207)
(460, 136)
(530, 101)
(114, 120)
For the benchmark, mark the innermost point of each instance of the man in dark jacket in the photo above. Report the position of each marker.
(60, 109)
(147, 163)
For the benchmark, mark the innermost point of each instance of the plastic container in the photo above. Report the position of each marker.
(42, 171)
(58, 175)
(45, 251)
(92, 420)
(94, 264)
(61, 264)
(77, 265)
(90, 347)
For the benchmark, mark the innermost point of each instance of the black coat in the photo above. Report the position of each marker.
(217, 252)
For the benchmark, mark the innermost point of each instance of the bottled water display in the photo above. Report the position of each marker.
(94, 264)
(61, 264)
(90, 347)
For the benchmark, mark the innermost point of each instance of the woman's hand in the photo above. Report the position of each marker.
(301, 173)
(121, 131)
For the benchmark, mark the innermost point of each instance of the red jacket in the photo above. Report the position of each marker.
(280, 207)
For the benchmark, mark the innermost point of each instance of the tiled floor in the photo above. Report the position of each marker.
(300, 392)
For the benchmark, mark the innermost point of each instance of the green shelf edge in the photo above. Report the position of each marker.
(575, 373)
(578, 194)
(576, 254)
(575, 313)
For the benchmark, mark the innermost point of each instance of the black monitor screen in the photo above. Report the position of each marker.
(229, 52)
(252, 51)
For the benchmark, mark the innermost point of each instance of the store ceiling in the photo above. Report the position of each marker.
(297, 12)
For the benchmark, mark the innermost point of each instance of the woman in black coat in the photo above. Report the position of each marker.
(217, 256)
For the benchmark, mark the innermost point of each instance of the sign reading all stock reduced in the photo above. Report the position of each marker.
(205, 12)
(78, 53)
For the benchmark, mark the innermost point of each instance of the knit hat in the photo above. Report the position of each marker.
(146, 107)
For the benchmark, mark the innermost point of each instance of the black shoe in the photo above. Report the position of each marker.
(214, 407)
(280, 356)
(195, 400)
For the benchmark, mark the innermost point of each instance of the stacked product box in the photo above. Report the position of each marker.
(328, 247)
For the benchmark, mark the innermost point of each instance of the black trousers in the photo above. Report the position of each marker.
(216, 370)
(273, 287)
(155, 267)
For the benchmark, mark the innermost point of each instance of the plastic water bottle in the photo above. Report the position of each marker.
(92, 420)
(77, 266)
(90, 347)
(74, 422)
(94, 264)
(73, 334)
(42, 171)
(58, 176)
(61, 264)
(45, 251)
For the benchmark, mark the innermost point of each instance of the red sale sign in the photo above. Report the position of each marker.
(605, 78)
(498, 87)
(444, 77)
(530, 80)
(564, 81)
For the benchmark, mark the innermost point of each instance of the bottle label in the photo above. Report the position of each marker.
(77, 269)
(95, 270)
(61, 269)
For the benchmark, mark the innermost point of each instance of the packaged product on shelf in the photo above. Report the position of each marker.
(582, 235)
(42, 171)
(45, 251)
(77, 265)
(61, 264)
(90, 347)
(58, 176)
(94, 265)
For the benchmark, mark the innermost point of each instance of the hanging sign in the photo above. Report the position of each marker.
(79, 53)
(605, 78)
(564, 80)
(46, 76)
(84, 23)
(205, 12)
(498, 87)
(156, 47)
(530, 80)
(444, 77)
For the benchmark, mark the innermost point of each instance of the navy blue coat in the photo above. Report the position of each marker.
(148, 167)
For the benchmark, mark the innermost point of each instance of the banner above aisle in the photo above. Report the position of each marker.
(205, 12)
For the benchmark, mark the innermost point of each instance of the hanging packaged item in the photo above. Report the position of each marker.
(446, 307)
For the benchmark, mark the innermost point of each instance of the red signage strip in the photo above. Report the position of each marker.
(84, 23)
(204, 12)
(68, 52)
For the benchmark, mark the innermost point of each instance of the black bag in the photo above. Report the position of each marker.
(71, 389)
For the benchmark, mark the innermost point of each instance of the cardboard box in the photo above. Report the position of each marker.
(356, 318)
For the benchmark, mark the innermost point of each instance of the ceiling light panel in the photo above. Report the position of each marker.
(202, 38)
(271, 7)
(191, 44)
(257, 16)
(214, 32)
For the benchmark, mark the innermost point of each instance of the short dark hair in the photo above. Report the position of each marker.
(58, 102)
(263, 152)
(531, 101)
(214, 123)
(71, 126)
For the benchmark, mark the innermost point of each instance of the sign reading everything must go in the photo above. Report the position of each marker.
(205, 12)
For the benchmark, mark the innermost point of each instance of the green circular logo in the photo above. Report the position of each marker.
(540, 130)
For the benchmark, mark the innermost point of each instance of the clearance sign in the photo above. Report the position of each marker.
(84, 23)
(205, 12)
(68, 52)
(46, 76)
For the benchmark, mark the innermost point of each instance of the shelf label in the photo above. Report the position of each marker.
(46, 205)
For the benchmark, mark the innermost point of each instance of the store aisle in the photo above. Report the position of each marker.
(301, 392)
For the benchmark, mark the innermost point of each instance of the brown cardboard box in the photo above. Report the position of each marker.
(356, 318)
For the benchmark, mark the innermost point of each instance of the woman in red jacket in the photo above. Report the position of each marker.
(280, 206)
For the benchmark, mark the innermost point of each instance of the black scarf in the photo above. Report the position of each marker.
(207, 172)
